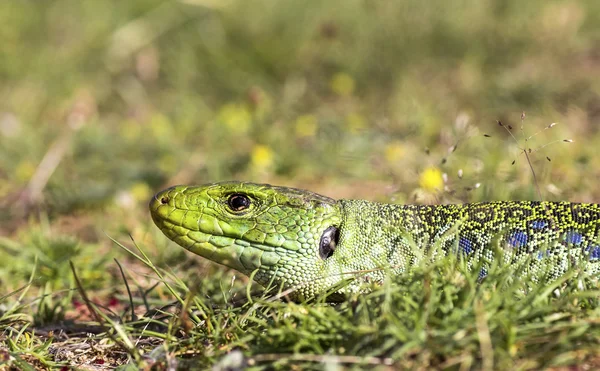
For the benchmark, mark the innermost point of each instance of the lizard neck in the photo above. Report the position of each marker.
(374, 237)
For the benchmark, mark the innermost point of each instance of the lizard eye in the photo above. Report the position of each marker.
(238, 202)
(329, 240)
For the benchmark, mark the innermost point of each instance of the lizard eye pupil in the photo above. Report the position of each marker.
(328, 243)
(238, 202)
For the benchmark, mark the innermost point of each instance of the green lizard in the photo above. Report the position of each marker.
(297, 239)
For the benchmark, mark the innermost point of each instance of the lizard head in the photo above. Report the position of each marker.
(280, 236)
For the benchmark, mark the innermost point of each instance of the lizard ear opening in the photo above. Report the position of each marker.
(329, 240)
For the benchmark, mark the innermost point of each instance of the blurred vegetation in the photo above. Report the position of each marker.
(103, 103)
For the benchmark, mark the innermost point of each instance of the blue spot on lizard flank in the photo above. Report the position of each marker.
(573, 237)
(594, 253)
(539, 224)
(482, 274)
(543, 254)
(517, 239)
(465, 245)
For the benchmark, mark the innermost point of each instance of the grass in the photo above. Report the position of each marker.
(439, 316)
(104, 103)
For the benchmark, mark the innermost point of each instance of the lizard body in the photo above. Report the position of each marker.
(294, 238)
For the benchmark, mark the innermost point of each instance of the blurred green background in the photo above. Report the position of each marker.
(103, 103)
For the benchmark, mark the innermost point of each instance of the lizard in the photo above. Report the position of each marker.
(310, 244)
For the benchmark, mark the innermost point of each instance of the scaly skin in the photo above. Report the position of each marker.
(277, 234)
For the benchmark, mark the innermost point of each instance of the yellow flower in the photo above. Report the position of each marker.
(262, 156)
(306, 126)
(431, 180)
(342, 84)
(161, 126)
(394, 151)
(236, 117)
